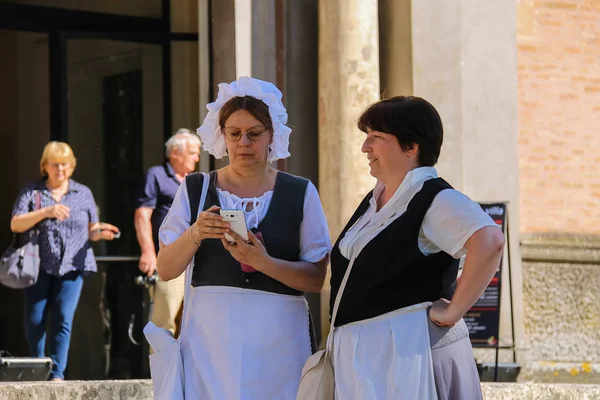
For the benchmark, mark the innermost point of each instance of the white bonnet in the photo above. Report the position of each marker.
(213, 140)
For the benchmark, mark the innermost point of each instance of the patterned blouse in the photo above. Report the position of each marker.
(64, 245)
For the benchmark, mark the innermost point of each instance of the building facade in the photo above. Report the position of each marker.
(516, 84)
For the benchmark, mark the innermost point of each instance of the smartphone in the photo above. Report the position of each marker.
(237, 221)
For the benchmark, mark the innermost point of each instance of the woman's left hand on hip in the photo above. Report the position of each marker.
(439, 313)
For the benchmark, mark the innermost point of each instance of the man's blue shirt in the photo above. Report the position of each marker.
(157, 192)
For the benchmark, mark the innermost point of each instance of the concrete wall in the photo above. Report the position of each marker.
(461, 56)
(561, 276)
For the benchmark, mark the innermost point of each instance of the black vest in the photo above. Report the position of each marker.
(214, 266)
(391, 272)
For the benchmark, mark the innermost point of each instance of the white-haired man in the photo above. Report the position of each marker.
(153, 202)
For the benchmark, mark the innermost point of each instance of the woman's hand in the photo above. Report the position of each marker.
(439, 313)
(253, 253)
(209, 225)
(58, 211)
(102, 231)
(107, 231)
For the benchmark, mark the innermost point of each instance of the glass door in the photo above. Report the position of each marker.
(114, 122)
(25, 127)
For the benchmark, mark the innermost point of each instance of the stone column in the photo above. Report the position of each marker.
(204, 83)
(243, 38)
(348, 83)
(243, 43)
(464, 62)
(225, 61)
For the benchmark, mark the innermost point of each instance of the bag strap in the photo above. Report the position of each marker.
(38, 200)
(194, 183)
(36, 206)
(336, 305)
(196, 198)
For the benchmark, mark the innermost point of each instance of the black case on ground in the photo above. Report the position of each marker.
(24, 369)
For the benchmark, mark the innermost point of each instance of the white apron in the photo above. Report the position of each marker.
(242, 344)
(385, 357)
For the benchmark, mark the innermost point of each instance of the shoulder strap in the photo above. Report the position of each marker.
(336, 304)
(38, 199)
(193, 184)
(197, 186)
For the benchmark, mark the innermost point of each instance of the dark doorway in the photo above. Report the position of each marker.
(98, 78)
(126, 302)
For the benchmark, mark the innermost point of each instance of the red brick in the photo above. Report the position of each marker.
(561, 5)
(558, 59)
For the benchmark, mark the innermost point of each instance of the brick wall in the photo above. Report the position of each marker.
(559, 115)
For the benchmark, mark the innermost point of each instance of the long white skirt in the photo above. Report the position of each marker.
(243, 344)
(386, 357)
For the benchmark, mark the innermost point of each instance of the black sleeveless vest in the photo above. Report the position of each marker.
(391, 272)
(214, 266)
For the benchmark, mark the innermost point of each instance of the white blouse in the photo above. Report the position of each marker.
(450, 221)
(314, 233)
(258, 211)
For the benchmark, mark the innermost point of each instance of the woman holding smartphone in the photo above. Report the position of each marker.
(248, 335)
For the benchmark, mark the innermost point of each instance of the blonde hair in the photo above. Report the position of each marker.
(58, 151)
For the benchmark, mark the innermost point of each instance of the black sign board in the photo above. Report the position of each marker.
(483, 319)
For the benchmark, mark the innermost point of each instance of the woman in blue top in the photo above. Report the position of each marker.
(65, 214)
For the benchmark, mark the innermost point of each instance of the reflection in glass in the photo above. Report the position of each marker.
(24, 130)
(115, 126)
(184, 85)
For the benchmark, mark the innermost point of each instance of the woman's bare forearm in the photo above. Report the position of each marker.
(173, 259)
(484, 252)
(24, 222)
(300, 275)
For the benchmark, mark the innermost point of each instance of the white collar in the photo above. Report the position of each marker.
(372, 222)
(403, 194)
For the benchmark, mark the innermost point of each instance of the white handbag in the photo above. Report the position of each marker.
(166, 364)
(317, 381)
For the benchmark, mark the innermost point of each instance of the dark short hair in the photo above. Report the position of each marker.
(254, 106)
(412, 120)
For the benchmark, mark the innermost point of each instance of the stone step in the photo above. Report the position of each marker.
(539, 391)
(142, 390)
(561, 372)
(77, 390)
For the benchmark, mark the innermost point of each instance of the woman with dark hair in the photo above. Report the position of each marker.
(246, 332)
(394, 335)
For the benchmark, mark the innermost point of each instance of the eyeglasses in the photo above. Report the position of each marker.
(254, 134)
(58, 165)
